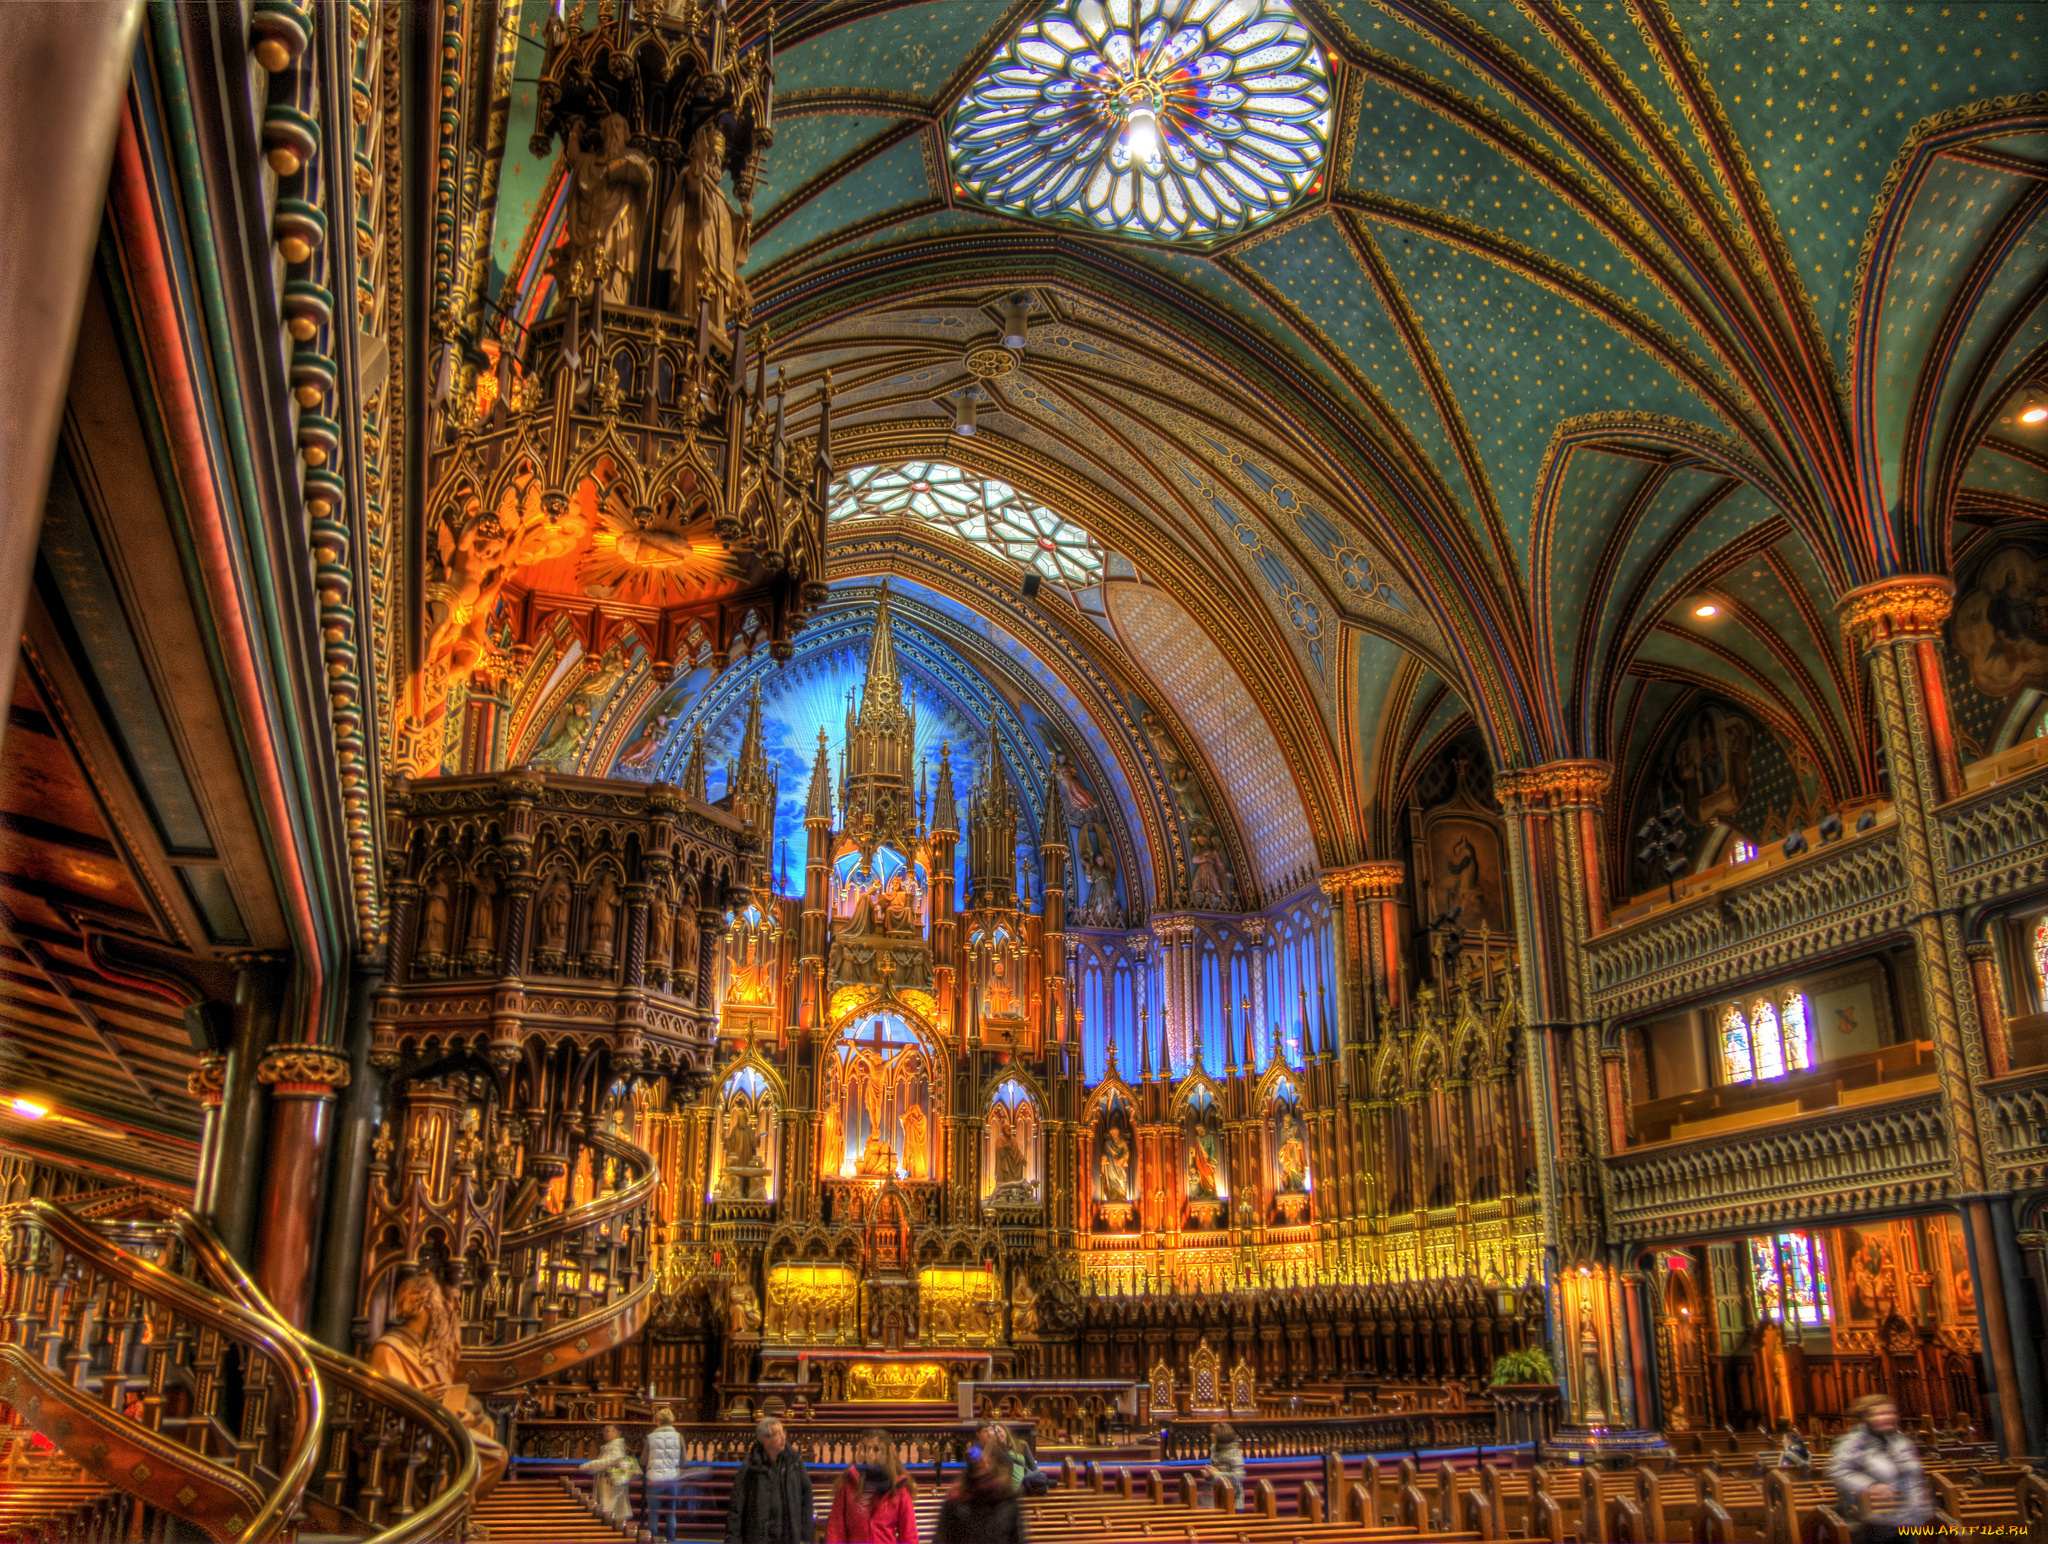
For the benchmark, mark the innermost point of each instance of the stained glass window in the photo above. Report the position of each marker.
(1798, 1038)
(2041, 955)
(1763, 1266)
(1791, 1284)
(1176, 120)
(979, 509)
(1766, 1042)
(1735, 1062)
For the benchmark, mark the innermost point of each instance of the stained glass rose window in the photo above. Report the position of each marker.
(1177, 120)
(979, 509)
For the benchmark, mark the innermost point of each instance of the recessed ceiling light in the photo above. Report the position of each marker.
(1706, 608)
(2034, 414)
(28, 1109)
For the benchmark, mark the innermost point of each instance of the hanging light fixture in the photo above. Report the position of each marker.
(965, 402)
(1016, 318)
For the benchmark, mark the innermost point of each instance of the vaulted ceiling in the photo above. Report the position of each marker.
(1600, 315)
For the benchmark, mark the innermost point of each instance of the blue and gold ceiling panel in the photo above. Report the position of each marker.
(891, 182)
(914, 51)
(808, 147)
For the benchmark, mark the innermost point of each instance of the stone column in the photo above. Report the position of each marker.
(302, 1080)
(1895, 625)
(64, 69)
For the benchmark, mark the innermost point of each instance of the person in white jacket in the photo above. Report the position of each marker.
(615, 1469)
(1876, 1469)
(664, 1455)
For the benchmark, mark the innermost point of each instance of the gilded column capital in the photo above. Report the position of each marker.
(1903, 606)
(1566, 784)
(209, 1083)
(1979, 949)
(1377, 879)
(303, 1069)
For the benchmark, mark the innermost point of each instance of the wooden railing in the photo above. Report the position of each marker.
(199, 1407)
(157, 1365)
(394, 1464)
(1406, 1431)
(816, 1442)
(575, 1285)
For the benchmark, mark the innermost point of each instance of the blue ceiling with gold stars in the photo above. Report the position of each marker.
(1605, 313)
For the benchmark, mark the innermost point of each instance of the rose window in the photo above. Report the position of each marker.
(978, 509)
(1175, 120)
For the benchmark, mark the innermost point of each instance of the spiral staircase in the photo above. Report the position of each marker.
(146, 1357)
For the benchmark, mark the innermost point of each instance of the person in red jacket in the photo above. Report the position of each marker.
(875, 1500)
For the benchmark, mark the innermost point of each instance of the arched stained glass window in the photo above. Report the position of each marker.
(978, 509)
(2041, 956)
(1798, 1034)
(1736, 1065)
(1173, 120)
(1787, 1275)
(1766, 1041)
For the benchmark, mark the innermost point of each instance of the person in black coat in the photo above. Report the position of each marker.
(771, 1495)
(983, 1510)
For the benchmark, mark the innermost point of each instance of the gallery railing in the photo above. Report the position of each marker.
(575, 1285)
(143, 1351)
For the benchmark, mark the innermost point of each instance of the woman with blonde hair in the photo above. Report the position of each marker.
(615, 1470)
(875, 1502)
(664, 1475)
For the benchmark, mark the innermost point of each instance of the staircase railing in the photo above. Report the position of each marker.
(393, 1462)
(575, 1285)
(163, 1370)
(200, 1407)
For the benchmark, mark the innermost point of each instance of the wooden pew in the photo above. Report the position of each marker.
(1510, 1494)
(1668, 1503)
(1792, 1506)
(1973, 1508)
(1741, 1501)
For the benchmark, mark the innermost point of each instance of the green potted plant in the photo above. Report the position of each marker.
(1525, 1396)
(1531, 1364)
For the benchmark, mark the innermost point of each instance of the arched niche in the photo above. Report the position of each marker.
(1289, 1181)
(1205, 1165)
(881, 1096)
(1112, 1155)
(747, 1162)
(1012, 1157)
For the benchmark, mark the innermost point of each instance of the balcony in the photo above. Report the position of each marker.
(1884, 1145)
(1870, 1077)
(1743, 921)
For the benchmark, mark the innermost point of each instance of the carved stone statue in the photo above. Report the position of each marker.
(420, 1347)
(554, 916)
(1208, 881)
(434, 921)
(687, 950)
(483, 915)
(701, 249)
(661, 929)
(608, 189)
(1293, 1155)
(604, 911)
(1115, 1167)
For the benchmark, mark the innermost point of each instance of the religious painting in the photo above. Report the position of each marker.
(1206, 1183)
(1010, 1148)
(1867, 1262)
(879, 1113)
(1464, 857)
(1707, 763)
(1956, 1288)
(1115, 1180)
(2000, 623)
(744, 1160)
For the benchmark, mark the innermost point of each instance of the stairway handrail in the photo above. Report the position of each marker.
(270, 1336)
(449, 1505)
(598, 1208)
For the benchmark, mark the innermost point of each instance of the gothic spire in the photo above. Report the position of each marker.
(695, 785)
(881, 684)
(1052, 830)
(820, 805)
(945, 808)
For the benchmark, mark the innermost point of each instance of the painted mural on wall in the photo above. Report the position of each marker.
(1460, 858)
(2000, 622)
(1093, 894)
(1729, 774)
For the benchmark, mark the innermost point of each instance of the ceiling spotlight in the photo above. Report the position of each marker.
(2034, 412)
(1016, 314)
(28, 1109)
(1706, 608)
(1141, 134)
(964, 403)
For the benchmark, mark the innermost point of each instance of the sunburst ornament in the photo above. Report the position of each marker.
(1174, 120)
